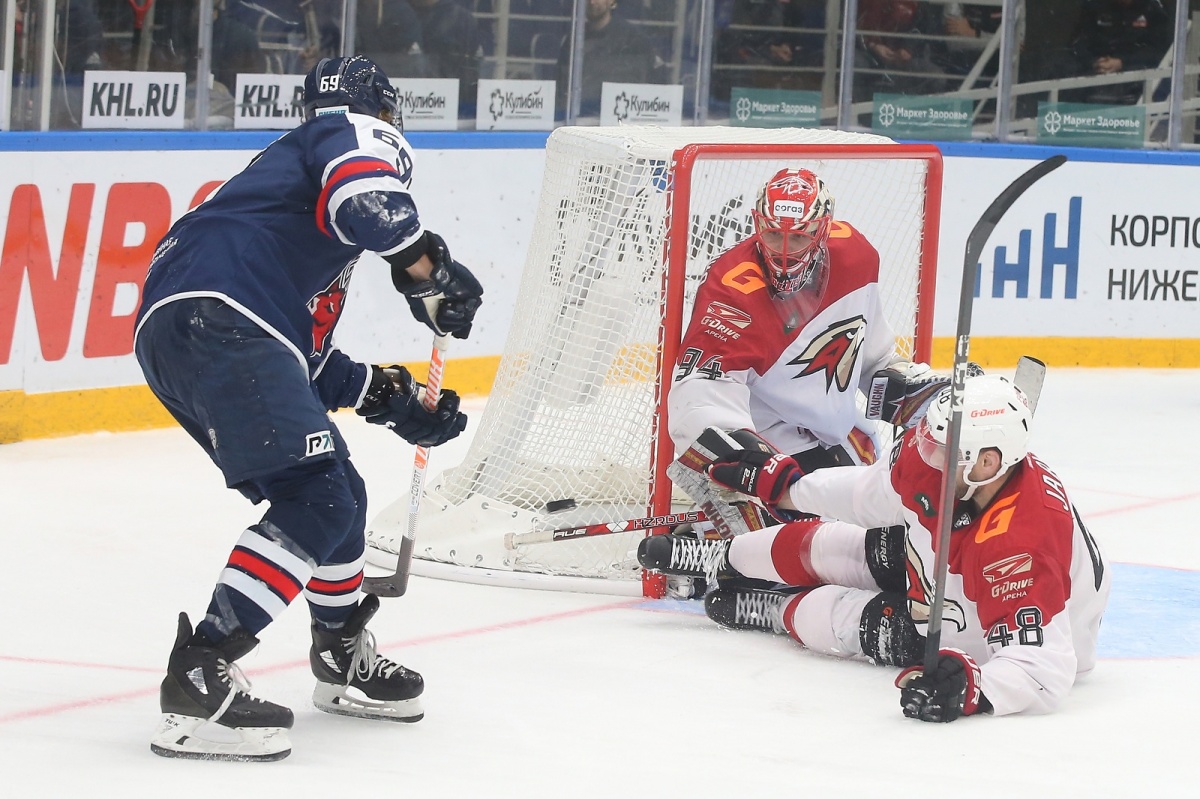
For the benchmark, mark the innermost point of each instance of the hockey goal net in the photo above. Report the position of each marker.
(574, 430)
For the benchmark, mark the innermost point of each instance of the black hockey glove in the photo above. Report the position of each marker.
(949, 691)
(460, 292)
(758, 474)
(393, 400)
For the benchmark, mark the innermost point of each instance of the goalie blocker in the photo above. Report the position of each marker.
(901, 393)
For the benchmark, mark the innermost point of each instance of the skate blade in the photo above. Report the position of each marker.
(195, 738)
(338, 700)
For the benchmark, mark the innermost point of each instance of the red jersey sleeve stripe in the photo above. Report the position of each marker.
(350, 169)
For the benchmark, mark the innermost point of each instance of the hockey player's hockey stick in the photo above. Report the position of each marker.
(514, 540)
(962, 344)
(396, 583)
(1029, 377)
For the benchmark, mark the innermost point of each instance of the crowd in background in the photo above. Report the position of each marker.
(902, 46)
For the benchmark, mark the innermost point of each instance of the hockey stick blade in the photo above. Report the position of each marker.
(991, 217)
(962, 345)
(514, 540)
(1029, 377)
(394, 584)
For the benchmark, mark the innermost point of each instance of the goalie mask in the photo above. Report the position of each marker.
(995, 414)
(354, 84)
(792, 219)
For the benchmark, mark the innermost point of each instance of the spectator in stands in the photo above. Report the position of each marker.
(389, 33)
(1117, 36)
(774, 50)
(235, 47)
(235, 50)
(78, 40)
(972, 26)
(897, 64)
(614, 50)
(452, 45)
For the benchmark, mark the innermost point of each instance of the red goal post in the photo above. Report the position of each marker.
(574, 432)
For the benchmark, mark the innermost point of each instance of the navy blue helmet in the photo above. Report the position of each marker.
(356, 83)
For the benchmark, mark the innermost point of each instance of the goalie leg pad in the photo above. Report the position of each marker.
(887, 557)
(887, 633)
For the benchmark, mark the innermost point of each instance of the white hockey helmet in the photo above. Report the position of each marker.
(995, 414)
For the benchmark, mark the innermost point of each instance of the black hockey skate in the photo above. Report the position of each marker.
(686, 555)
(208, 712)
(352, 680)
(744, 608)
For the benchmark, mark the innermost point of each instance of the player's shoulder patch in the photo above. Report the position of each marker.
(854, 260)
(737, 278)
(839, 229)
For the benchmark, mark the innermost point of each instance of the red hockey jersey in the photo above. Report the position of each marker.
(1027, 583)
(787, 370)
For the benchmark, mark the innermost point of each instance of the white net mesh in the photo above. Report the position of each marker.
(571, 415)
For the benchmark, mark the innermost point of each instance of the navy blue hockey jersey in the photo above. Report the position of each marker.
(280, 240)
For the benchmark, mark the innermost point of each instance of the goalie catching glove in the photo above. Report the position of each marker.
(901, 393)
(457, 290)
(393, 399)
(949, 690)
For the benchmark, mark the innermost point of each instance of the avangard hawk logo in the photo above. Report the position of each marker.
(920, 594)
(834, 352)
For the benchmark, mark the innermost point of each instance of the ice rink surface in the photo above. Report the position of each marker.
(543, 694)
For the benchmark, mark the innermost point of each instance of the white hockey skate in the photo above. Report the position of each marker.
(354, 680)
(208, 712)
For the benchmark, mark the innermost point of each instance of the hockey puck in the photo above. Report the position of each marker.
(556, 505)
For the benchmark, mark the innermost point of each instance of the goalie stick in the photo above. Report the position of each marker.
(396, 583)
(962, 344)
(514, 540)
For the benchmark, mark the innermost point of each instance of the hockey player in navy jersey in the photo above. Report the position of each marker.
(234, 335)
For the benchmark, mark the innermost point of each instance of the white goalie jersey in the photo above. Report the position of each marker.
(789, 369)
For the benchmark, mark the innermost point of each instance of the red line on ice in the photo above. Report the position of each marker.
(50, 710)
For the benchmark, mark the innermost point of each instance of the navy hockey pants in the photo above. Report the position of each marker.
(247, 400)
